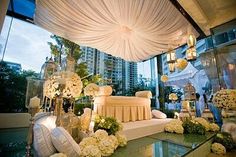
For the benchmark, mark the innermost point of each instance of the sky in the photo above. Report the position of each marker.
(27, 45)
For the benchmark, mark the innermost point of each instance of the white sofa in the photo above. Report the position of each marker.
(124, 108)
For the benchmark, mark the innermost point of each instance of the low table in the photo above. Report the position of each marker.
(168, 145)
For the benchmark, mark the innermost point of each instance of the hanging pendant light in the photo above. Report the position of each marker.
(191, 41)
(171, 57)
(48, 68)
(171, 67)
(191, 54)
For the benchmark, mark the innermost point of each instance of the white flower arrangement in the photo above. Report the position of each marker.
(218, 148)
(88, 141)
(66, 84)
(164, 78)
(175, 126)
(100, 144)
(90, 151)
(225, 98)
(173, 97)
(115, 141)
(214, 127)
(91, 90)
(203, 122)
(100, 134)
(106, 146)
(181, 63)
(59, 155)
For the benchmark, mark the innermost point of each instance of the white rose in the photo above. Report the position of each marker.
(218, 148)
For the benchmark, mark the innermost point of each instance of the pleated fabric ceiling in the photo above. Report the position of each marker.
(134, 30)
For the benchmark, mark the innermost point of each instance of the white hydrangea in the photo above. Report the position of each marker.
(58, 155)
(203, 122)
(106, 146)
(88, 141)
(218, 148)
(100, 134)
(175, 126)
(90, 151)
(91, 89)
(225, 98)
(214, 127)
(122, 140)
(114, 140)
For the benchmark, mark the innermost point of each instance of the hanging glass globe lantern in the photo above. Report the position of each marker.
(191, 41)
(191, 54)
(48, 68)
(68, 64)
(171, 57)
(171, 67)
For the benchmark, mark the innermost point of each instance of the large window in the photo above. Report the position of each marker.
(24, 43)
(23, 49)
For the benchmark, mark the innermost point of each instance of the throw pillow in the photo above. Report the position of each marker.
(42, 141)
(64, 143)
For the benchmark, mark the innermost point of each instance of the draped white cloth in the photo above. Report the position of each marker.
(134, 30)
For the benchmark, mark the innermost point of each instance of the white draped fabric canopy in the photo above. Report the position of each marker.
(134, 30)
(197, 78)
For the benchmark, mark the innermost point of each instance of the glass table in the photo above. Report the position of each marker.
(165, 145)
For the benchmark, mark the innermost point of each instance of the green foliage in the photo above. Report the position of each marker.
(193, 128)
(13, 88)
(226, 140)
(109, 124)
(64, 47)
(79, 108)
(169, 113)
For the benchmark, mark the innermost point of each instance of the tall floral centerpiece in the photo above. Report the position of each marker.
(225, 99)
(62, 85)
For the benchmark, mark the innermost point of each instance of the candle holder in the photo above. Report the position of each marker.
(32, 112)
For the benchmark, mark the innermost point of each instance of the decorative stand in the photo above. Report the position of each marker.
(30, 135)
(58, 110)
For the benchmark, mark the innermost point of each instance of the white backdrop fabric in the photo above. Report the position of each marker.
(197, 78)
(134, 30)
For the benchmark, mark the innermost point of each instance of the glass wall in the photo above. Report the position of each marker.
(214, 68)
(23, 49)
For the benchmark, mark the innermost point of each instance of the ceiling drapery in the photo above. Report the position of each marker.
(134, 30)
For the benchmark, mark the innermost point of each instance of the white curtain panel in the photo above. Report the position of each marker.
(134, 30)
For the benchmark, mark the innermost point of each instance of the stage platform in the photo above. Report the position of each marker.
(138, 129)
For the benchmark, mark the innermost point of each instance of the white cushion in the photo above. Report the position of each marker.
(42, 141)
(40, 115)
(144, 94)
(158, 114)
(64, 143)
(48, 121)
(105, 91)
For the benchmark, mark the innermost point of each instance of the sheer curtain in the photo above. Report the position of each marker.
(134, 30)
